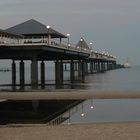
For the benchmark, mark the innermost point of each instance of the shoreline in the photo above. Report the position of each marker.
(90, 131)
(66, 95)
(22, 125)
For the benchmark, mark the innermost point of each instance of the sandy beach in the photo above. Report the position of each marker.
(69, 95)
(92, 131)
(95, 131)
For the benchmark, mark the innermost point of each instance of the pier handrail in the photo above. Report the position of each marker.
(62, 45)
(53, 43)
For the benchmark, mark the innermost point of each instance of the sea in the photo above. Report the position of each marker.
(93, 110)
(109, 110)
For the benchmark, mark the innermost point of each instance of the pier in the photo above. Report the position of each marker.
(36, 42)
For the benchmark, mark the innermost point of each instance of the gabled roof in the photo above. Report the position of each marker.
(82, 43)
(10, 34)
(35, 28)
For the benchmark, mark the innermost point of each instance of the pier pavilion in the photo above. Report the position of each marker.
(35, 41)
(9, 37)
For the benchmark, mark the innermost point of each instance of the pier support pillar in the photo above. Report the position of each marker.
(79, 69)
(86, 68)
(105, 66)
(94, 66)
(108, 66)
(13, 75)
(102, 67)
(111, 66)
(22, 75)
(98, 67)
(58, 73)
(76, 66)
(42, 74)
(83, 71)
(91, 67)
(72, 74)
(34, 73)
(65, 67)
(62, 72)
(114, 65)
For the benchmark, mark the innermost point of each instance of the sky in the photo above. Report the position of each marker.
(112, 25)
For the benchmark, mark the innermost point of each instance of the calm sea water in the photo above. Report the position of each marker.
(120, 79)
(104, 110)
(109, 110)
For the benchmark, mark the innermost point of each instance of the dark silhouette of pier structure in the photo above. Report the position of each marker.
(36, 42)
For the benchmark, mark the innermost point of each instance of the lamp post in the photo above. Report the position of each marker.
(48, 28)
(90, 45)
(68, 36)
(81, 40)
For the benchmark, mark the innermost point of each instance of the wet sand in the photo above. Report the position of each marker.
(94, 131)
(67, 95)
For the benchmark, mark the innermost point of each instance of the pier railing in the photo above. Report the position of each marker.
(56, 44)
(53, 43)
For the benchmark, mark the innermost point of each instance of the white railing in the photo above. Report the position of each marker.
(56, 44)
(95, 55)
(9, 40)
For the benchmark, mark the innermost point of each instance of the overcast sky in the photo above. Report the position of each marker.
(114, 25)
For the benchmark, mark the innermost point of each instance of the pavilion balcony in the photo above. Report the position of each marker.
(4, 40)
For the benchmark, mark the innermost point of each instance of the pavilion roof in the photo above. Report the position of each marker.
(82, 43)
(10, 34)
(34, 28)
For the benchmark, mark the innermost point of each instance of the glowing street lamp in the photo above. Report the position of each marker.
(48, 27)
(81, 42)
(81, 39)
(78, 47)
(90, 45)
(68, 36)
